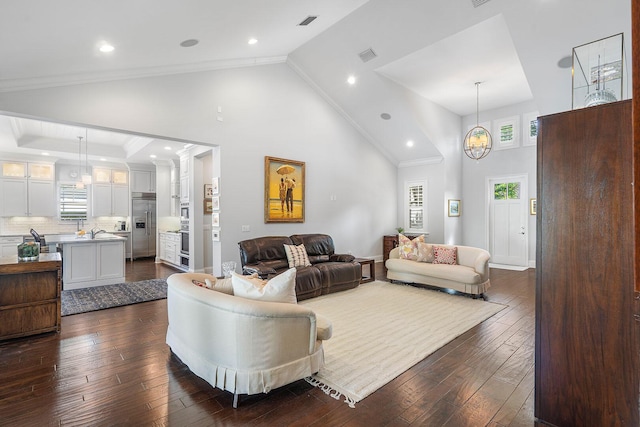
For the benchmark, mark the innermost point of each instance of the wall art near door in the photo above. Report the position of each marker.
(283, 190)
(454, 207)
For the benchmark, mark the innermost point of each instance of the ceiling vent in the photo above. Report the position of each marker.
(367, 55)
(477, 3)
(308, 20)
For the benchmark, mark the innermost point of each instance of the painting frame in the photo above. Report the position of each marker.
(208, 191)
(453, 207)
(207, 205)
(215, 186)
(284, 190)
(533, 206)
(215, 203)
(215, 219)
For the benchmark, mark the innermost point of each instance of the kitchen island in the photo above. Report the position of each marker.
(88, 262)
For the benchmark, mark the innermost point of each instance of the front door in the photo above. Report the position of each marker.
(508, 210)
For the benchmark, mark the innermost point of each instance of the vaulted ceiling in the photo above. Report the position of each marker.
(434, 49)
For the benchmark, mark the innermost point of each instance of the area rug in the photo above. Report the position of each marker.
(382, 329)
(76, 301)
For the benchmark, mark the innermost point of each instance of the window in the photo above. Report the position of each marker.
(73, 202)
(415, 217)
(506, 191)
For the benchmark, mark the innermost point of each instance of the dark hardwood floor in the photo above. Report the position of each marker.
(112, 367)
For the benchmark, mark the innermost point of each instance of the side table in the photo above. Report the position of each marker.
(372, 269)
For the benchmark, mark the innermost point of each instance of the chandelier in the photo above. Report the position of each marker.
(477, 142)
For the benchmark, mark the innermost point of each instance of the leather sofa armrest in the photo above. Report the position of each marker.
(341, 258)
(261, 270)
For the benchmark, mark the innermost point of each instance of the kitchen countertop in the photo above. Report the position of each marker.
(72, 238)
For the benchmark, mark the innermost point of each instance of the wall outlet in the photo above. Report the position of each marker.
(246, 228)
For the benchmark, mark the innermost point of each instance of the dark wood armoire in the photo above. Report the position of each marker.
(586, 350)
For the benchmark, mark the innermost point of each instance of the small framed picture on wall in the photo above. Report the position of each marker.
(215, 235)
(453, 208)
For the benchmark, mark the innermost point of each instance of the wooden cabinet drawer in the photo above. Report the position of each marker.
(26, 288)
(26, 320)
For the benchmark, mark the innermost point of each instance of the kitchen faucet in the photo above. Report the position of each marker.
(94, 232)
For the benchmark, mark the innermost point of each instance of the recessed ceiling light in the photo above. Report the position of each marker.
(167, 148)
(189, 43)
(565, 62)
(106, 48)
(385, 116)
(153, 156)
(102, 159)
(253, 41)
(45, 154)
(409, 143)
(351, 79)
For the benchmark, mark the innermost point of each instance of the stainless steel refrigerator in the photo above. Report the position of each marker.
(143, 233)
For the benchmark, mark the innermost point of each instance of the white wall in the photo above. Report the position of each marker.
(442, 127)
(516, 161)
(266, 111)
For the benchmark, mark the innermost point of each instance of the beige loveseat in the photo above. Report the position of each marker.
(241, 345)
(470, 275)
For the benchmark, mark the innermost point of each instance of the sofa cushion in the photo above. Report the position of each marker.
(339, 276)
(409, 248)
(425, 252)
(297, 256)
(222, 285)
(281, 288)
(264, 250)
(319, 247)
(442, 255)
(457, 273)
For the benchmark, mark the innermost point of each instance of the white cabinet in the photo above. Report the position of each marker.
(28, 189)
(92, 264)
(184, 165)
(184, 189)
(110, 192)
(143, 181)
(127, 244)
(110, 176)
(170, 248)
(175, 191)
(8, 245)
(110, 200)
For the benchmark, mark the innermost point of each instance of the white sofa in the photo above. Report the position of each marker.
(240, 345)
(470, 275)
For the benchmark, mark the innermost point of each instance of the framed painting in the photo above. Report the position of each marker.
(215, 185)
(208, 191)
(284, 183)
(533, 206)
(208, 206)
(453, 208)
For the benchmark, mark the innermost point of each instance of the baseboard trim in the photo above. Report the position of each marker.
(508, 267)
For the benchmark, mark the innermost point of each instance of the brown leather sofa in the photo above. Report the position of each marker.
(329, 272)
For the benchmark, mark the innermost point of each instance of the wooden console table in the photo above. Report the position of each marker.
(30, 295)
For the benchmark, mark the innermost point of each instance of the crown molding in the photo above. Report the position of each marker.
(12, 85)
(421, 162)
